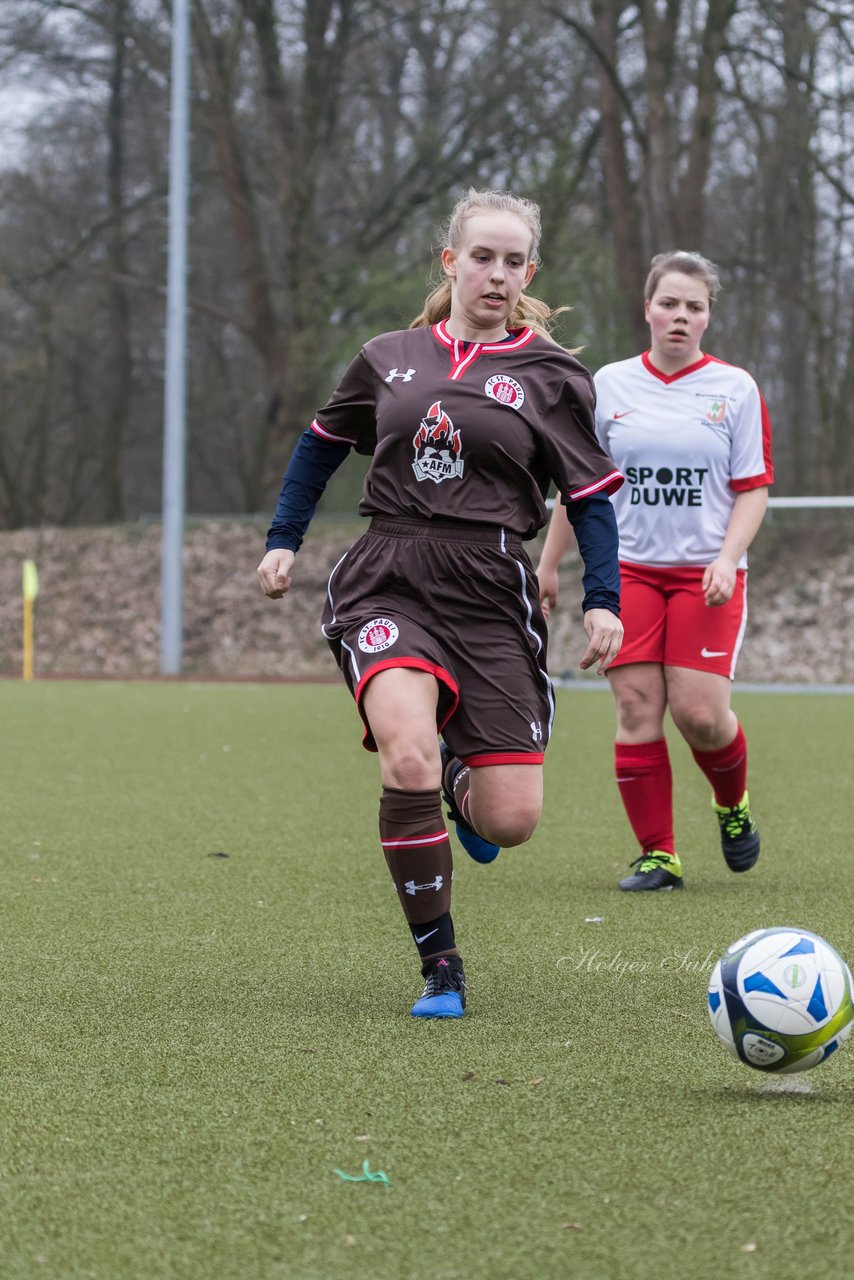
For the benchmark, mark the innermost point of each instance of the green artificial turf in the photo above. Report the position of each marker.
(192, 1044)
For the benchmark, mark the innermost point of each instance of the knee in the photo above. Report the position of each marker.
(410, 767)
(509, 828)
(699, 726)
(635, 713)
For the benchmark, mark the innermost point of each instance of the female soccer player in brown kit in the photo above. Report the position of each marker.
(692, 436)
(433, 615)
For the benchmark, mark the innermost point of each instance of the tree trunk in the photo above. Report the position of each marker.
(119, 381)
(690, 207)
(620, 194)
(792, 249)
(659, 34)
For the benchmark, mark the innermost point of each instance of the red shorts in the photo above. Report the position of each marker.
(666, 619)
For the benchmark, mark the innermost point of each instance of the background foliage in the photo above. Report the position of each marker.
(328, 140)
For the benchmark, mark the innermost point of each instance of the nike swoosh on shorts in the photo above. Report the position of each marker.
(713, 653)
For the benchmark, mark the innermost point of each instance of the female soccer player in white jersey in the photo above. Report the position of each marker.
(692, 436)
(434, 616)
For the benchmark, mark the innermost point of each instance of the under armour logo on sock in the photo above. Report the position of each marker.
(412, 888)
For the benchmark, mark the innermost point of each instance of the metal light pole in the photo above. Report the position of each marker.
(171, 578)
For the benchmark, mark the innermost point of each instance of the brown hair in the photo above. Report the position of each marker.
(529, 312)
(689, 264)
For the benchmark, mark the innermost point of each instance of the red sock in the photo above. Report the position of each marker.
(646, 789)
(726, 769)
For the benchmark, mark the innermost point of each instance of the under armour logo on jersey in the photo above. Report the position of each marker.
(395, 373)
(412, 888)
(536, 731)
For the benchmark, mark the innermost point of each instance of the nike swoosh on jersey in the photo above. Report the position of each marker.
(624, 414)
(713, 653)
(425, 936)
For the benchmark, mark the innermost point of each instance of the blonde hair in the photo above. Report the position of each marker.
(529, 312)
(688, 264)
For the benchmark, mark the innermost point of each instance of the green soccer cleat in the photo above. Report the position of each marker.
(655, 870)
(739, 834)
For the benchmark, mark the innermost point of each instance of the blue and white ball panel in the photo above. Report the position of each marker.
(791, 982)
(780, 1000)
(718, 1011)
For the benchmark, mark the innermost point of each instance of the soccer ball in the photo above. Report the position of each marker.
(781, 1000)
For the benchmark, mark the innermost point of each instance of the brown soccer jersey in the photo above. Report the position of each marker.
(469, 431)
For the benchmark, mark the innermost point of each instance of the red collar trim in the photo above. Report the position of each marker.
(680, 373)
(463, 354)
(522, 338)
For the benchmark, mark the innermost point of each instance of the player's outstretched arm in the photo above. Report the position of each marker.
(274, 572)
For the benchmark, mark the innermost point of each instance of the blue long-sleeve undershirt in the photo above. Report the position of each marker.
(312, 463)
(315, 460)
(595, 527)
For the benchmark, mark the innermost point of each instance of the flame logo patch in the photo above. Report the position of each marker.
(438, 447)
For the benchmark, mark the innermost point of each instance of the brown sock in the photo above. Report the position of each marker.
(418, 852)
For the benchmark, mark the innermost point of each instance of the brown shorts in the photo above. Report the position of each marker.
(460, 601)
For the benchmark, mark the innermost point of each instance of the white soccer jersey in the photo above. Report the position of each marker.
(686, 443)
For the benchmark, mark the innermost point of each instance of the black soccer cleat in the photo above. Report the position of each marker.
(444, 994)
(655, 870)
(739, 834)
